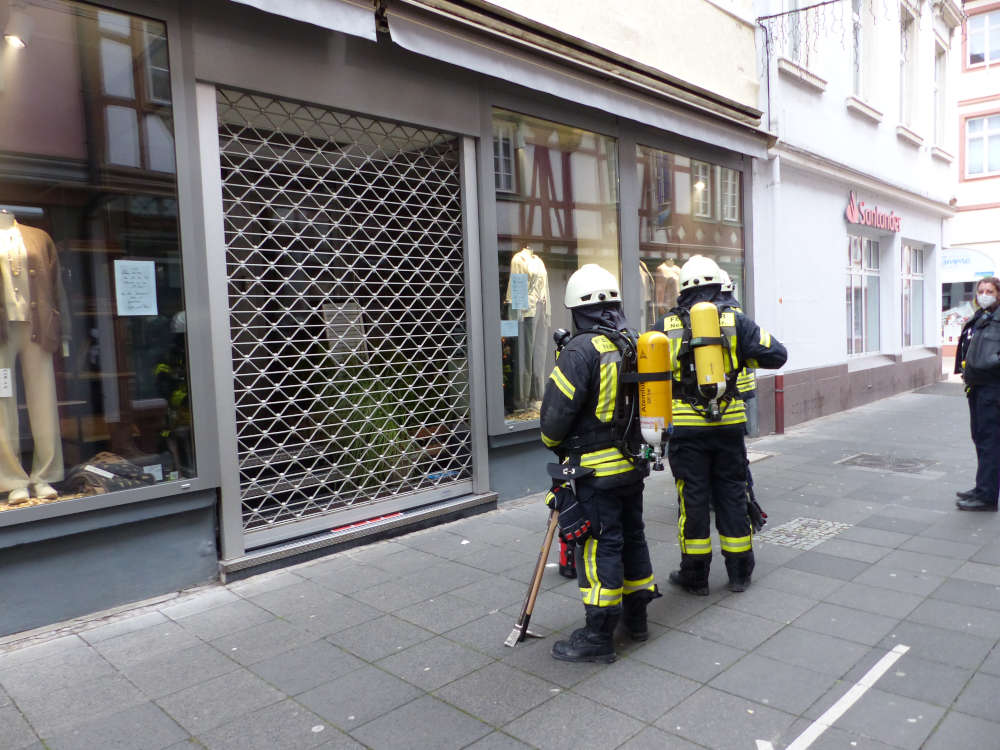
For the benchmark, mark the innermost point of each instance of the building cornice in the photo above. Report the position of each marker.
(853, 178)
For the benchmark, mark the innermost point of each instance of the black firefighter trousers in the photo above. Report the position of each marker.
(984, 413)
(710, 466)
(614, 560)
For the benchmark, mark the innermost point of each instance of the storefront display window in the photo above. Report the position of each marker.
(686, 207)
(913, 295)
(557, 209)
(93, 346)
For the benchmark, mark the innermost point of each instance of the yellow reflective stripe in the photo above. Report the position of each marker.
(596, 457)
(609, 597)
(765, 338)
(562, 383)
(684, 415)
(641, 584)
(752, 363)
(697, 547)
(618, 467)
(735, 543)
(592, 592)
(549, 442)
(609, 387)
(681, 512)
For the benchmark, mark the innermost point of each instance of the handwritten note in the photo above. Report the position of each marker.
(519, 291)
(135, 287)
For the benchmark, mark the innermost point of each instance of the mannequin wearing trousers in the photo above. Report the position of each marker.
(30, 334)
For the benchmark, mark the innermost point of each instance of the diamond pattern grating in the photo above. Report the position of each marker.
(346, 285)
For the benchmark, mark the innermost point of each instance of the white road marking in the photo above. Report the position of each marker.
(839, 708)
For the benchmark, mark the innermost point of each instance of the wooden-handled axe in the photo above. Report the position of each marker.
(520, 631)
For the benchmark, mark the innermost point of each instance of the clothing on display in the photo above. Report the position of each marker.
(31, 332)
(528, 297)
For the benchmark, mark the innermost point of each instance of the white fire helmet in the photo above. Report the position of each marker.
(591, 285)
(727, 282)
(699, 271)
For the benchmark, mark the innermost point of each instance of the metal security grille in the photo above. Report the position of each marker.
(347, 308)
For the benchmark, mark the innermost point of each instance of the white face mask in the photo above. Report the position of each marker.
(986, 300)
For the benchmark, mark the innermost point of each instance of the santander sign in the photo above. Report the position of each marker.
(857, 213)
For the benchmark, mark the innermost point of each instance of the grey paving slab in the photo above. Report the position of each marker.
(198, 601)
(352, 578)
(895, 524)
(815, 651)
(897, 579)
(847, 623)
(389, 596)
(142, 727)
(569, 722)
(939, 644)
(978, 572)
(915, 677)
(497, 694)
(534, 657)
(722, 721)
(129, 623)
(306, 667)
(880, 601)
(358, 697)
(498, 592)
(424, 723)
(54, 672)
(988, 554)
(447, 576)
(57, 712)
(17, 653)
(329, 615)
(498, 741)
(731, 627)
(979, 698)
(285, 724)
(921, 562)
(225, 619)
(405, 561)
(860, 551)
(688, 655)
(961, 617)
(262, 641)
(652, 738)
(499, 559)
(770, 604)
(443, 613)
(296, 597)
(15, 732)
(487, 634)
(278, 579)
(552, 611)
(375, 639)
(433, 663)
(829, 566)
(972, 593)
(167, 673)
(125, 650)
(800, 583)
(218, 701)
(774, 683)
(634, 688)
(835, 738)
(940, 547)
(958, 730)
(991, 665)
(893, 719)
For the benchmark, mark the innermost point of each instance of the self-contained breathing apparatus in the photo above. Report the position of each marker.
(706, 384)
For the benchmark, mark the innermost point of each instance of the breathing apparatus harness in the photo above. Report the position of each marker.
(691, 393)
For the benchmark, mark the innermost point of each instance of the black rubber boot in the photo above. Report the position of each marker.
(693, 575)
(593, 642)
(977, 503)
(634, 613)
(740, 570)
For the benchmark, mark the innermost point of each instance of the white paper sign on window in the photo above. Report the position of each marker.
(135, 287)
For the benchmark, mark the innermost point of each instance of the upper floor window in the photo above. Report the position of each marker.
(984, 38)
(503, 156)
(701, 189)
(907, 64)
(940, 92)
(730, 194)
(982, 145)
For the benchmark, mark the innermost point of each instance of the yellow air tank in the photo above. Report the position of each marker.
(707, 357)
(655, 395)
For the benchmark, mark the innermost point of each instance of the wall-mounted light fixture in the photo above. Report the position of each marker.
(17, 32)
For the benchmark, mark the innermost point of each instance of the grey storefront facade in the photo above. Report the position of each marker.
(355, 230)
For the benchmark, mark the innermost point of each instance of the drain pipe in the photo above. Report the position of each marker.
(779, 404)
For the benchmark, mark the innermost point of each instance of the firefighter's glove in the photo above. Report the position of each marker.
(574, 526)
(552, 496)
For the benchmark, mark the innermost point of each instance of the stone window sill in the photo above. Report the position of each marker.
(941, 155)
(859, 107)
(903, 133)
(801, 75)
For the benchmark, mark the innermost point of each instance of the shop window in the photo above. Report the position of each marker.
(671, 229)
(913, 295)
(862, 295)
(984, 38)
(982, 146)
(565, 214)
(93, 350)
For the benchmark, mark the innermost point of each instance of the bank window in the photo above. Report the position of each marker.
(93, 344)
(670, 230)
(984, 38)
(701, 189)
(982, 145)
(913, 295)
(563, 215)
(862, 295)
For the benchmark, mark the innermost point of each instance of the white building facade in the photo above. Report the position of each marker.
(850, 205)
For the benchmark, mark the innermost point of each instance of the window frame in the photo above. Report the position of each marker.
(912, 262)
(703, 198)
(990, 20)
(939, 115)
(985, 136)
(908, 50)
(857, 276)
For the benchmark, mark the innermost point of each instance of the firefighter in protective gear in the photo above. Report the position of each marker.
(707, 451)
(589, 417)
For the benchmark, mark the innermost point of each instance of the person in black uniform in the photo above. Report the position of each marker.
(977, 359)
(707, 452)
(589, 417)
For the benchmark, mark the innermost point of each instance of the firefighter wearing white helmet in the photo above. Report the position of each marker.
(706, 451)
(589, 418)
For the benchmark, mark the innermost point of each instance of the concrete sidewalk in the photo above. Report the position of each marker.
(400, 644)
